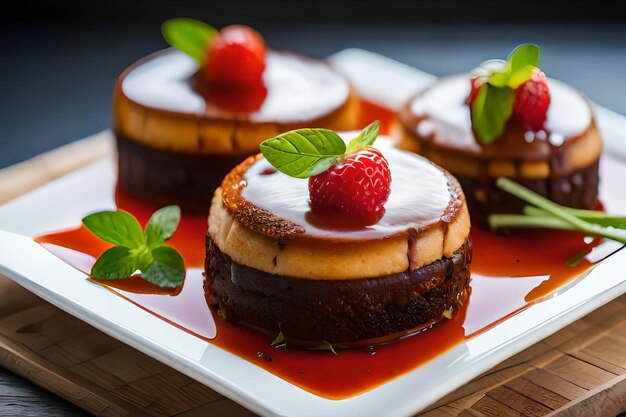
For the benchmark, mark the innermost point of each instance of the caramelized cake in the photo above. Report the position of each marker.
(274, 265)
(178, 134)
(558, 160)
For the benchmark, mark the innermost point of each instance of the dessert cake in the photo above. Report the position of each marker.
(540, 132)
(276, 261)
(182, 123)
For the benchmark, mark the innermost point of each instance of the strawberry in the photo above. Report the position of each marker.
(235, 99)
(532, 100)
(357, 186)
(236, 57)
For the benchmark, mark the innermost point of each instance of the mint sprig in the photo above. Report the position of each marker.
(189, 35)
(545, 214)
(303, 153)
(493, 105)
(137, 249)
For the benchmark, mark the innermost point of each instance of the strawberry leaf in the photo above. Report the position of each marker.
(188, 35)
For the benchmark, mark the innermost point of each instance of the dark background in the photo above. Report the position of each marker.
(59, 60)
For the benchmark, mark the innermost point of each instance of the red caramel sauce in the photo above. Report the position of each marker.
(509, 273)
(295, 89)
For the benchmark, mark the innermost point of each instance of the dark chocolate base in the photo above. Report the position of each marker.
(337, 311)
(166, 177)
(578, 190)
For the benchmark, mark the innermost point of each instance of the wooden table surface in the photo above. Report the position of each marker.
(19, 397)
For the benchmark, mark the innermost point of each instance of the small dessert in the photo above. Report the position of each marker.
(374, 246)
(506, 119)
(183, 118)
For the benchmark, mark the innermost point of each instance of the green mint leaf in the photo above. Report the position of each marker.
(188, 35)
(116, 263)
(138, 249)
(167, 269)
(365, 138)
(303, 153)
(117, 227)
(162, 225)
(278, 340)
(491, 110)
(522, 62)
(144, 257)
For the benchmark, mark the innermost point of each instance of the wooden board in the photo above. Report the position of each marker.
(578, 371)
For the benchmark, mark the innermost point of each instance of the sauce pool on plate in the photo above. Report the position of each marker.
(509, 274)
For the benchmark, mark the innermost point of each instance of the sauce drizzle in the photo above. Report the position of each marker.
(509, 273)
(526, 267)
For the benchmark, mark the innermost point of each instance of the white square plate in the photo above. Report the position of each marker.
(62, 203)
